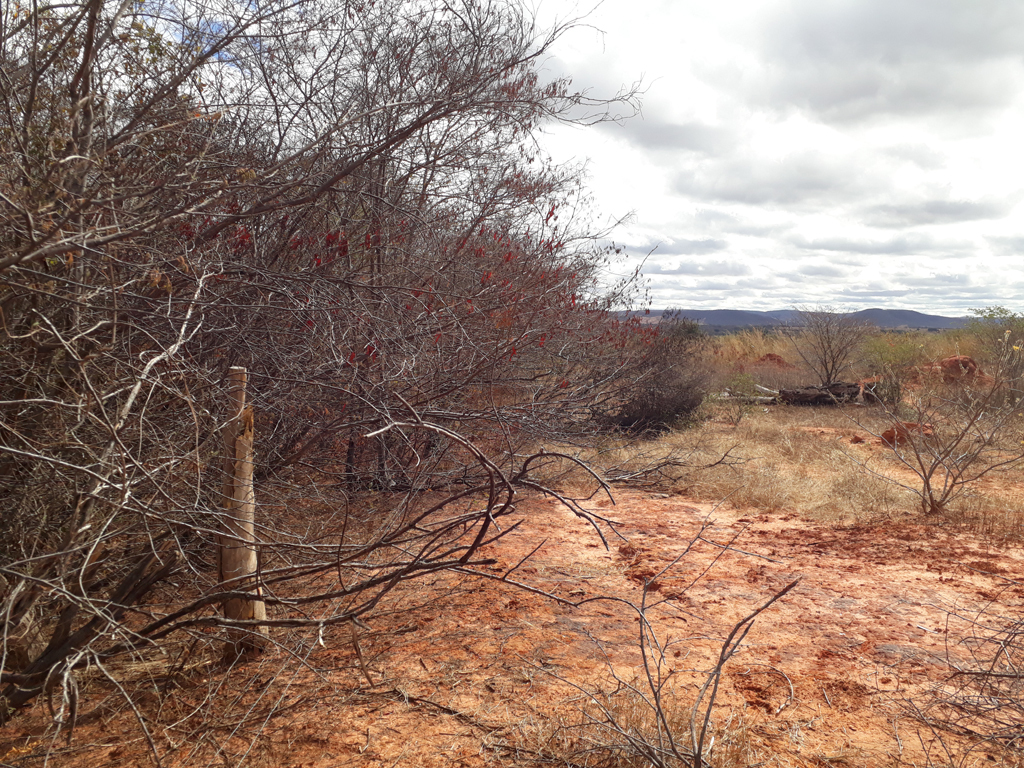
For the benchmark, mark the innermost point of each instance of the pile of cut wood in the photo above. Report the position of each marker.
(833, 394)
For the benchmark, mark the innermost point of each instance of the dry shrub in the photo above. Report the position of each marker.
(790, 458)
(953, 429)
(584, 736)
(982, 697)
(674, 384)
(829, 341)
(750, 344)
(755, 353)
(645, 719)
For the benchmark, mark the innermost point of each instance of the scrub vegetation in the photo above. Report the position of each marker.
(298, 330)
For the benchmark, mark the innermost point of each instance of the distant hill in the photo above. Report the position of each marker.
(737, 318)
(883, 318)
(897, 318)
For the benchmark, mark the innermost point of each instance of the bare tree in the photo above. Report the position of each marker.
(341, 198)
(952, 432)
(827, 340)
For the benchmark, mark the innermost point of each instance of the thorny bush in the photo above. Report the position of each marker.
(955, 427)
(344, 199)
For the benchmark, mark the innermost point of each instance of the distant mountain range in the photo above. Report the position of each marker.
(883, 318)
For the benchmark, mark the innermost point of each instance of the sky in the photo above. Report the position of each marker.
(851, 153)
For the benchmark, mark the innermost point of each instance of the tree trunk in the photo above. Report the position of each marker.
(237, 555)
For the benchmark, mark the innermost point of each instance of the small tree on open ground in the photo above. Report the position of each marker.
(828, 340)
(951, 430)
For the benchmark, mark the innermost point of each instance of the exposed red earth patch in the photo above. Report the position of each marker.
(773, 359)
(901, 432)
(467, 681)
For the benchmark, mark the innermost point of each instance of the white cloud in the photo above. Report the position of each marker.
(793, 151)
(879, 60)
(812, 178)
(716, 268)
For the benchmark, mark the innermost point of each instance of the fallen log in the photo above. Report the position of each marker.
(749, 399)
(833, 394)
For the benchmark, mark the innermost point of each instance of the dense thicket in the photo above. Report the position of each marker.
(345, 199)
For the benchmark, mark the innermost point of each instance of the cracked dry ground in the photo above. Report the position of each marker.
(865, 630)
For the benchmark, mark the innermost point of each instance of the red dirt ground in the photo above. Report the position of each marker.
(477, 682)
(865, 628)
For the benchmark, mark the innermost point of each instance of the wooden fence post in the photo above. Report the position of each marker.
(236, 555)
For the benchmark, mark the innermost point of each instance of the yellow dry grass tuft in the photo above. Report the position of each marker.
(620, 729)
(752, 344)
(805, 461)
(794, 459)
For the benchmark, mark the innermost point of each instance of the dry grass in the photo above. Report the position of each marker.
(795, 459)
(798, 460)
(744, 352)
(994, 512)
(613, 729)
(752, 344)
